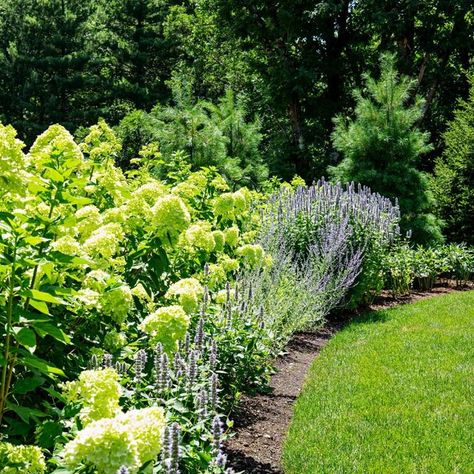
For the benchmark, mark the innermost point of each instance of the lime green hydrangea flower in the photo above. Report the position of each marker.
(105, 241)
(232, 236)
(224, 206)
(117, 215)
(220, 183)
(67, 245)
(217, 276)
(96, 280)
(240, 202)
(200, 236)
(188, 291)
(114, 340)
(297, 181)
(56, 141)
(230, 206)
(139, 213)
(252, 255)
(87, 298)
(229, 264)
(113, 181)
(170, 218)
(192, 187)
(101, 143)
(117, 302)
(150, 192)
(166, 325)
(99, 393)
(21, 459)
(88, 220)
(219, 239)
(130, 439)
(139, 292)
(249, 236)
(13, 162)
(267, 261)
(221, 296)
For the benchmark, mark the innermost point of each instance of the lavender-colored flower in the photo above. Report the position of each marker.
(121, 367)
(162, 375)
(205, 298)
(123, 470)
(171, 451)
(199, 337)
(213, 355)
(201, 402)
(140, 363)
(107, 361)
(178, 365)
(217, 432)
(192, 368)
(213, 391)
(221, 459)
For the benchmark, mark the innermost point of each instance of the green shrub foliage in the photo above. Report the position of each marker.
(205, 134)
(382, 145)
(453, 184)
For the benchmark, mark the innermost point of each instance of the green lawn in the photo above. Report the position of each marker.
(391, 393)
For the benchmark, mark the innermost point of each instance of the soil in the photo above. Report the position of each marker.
(261, 421)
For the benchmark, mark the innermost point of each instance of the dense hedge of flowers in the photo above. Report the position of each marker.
(99, 264)
(134, 311)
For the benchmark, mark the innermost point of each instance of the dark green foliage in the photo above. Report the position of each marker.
(209, 135)
(72, 62)
(453, 184)
(381, 148)
(44, 67)
(309, 56)
(134, 55)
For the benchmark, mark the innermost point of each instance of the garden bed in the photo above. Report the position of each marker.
(261, 421)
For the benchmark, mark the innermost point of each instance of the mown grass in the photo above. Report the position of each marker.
(391, 393)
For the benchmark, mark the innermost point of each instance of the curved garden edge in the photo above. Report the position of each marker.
(261, 421)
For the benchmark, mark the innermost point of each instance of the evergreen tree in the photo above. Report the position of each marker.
(221, 136)
(43, 63)
(128, 40)
(382, 145)
(454, 174)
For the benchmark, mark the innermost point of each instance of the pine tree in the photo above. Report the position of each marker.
(454, 174)
(136, 58)
(382, 145)
(44, 67)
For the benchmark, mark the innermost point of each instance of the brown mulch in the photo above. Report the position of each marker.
(261, 421)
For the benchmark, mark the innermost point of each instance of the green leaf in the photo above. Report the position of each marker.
(25, 413)
(7, 217)
(26, 385)
(25, 336)
(53, 174)
(49, 431)
(41, 365)
(41, 306)
(16, 427)
(80, 200)
(47, 329)
(68, 259)
(34, 240)
(41, 296)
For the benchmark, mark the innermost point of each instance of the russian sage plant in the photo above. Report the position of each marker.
(327, 242)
